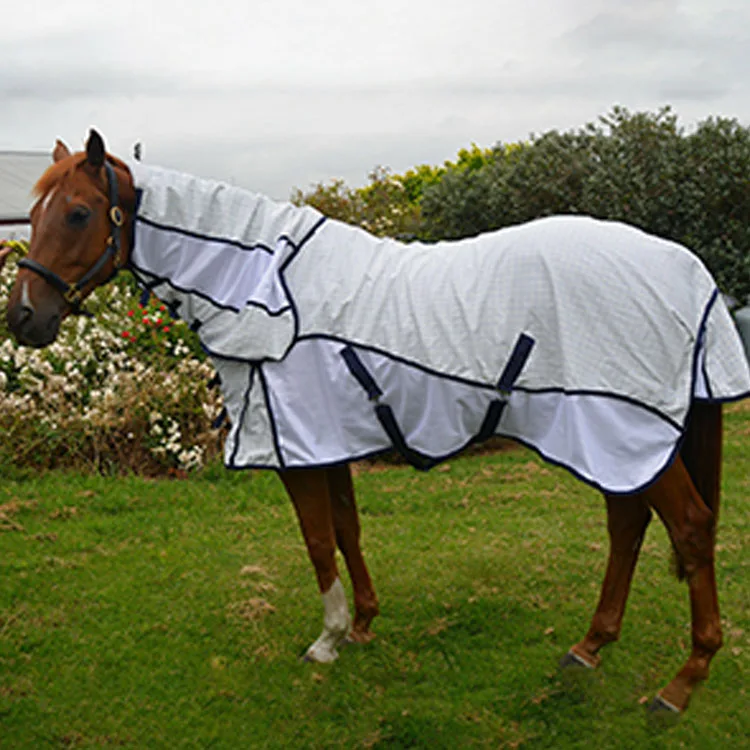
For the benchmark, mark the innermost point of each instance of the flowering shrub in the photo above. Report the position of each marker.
(125, 390)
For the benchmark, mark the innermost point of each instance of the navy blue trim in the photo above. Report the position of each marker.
(698, 346)
(219, 421)
(699, 340)
(195, 325)
(133, 225)
(271, 417)
(297, 247)
(707, 381)
(245, 407)
(491, 386)
(164, 280)
(383, 412)
(361, 373)
(723, 399)
(389, 423)
(453, 454)
(517, 361)
(491, 420)
(204, 237)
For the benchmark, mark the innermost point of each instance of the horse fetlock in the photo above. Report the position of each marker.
(581, 655)
(605, 629)
(336, 625)
(708, 640)
(367, 609)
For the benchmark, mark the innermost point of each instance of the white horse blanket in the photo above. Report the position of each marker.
(586, 340)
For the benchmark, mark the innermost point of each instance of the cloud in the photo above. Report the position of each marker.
(282, 93)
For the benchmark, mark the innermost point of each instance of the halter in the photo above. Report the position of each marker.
(72, 293)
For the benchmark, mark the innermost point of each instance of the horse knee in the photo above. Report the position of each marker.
(694, 544)
(321, 551)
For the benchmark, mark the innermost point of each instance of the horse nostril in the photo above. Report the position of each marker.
(53, 323)
(19, 317)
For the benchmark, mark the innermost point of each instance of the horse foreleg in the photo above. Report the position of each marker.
(690, 523)
(346, 524)
(310, 494)
(627, 520)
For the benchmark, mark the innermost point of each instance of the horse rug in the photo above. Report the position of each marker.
(586, 340)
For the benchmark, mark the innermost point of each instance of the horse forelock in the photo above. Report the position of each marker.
(58, 172)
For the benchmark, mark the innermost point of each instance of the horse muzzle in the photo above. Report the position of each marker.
(32, 327)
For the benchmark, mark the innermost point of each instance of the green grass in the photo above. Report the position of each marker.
(158, 614)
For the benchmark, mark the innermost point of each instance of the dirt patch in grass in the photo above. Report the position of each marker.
(252, 609)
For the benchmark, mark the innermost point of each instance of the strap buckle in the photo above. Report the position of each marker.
(73, 296)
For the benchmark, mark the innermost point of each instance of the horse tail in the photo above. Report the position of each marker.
(701, 454)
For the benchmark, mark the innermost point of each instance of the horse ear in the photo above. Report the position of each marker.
(95, 151)
(60, 152)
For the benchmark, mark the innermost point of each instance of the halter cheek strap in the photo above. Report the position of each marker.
(73, 292)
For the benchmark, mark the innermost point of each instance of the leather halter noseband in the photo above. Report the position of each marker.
(72, 293)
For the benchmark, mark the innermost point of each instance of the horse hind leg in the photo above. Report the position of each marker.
(627, 520)
(348, 533)
(309, 492)
(691, 526)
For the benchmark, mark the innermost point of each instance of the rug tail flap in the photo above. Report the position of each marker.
(724, 372)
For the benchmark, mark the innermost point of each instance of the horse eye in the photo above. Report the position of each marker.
(79, 217)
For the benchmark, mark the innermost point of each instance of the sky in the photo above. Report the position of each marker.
(274, 95)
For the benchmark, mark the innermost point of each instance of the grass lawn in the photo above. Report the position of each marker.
(172, 614)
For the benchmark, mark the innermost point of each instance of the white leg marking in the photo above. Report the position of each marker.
(336, 624)
(25, 296)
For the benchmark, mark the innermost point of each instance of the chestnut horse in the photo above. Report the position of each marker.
(82, 225)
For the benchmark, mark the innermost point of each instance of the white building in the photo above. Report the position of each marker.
(19, 171)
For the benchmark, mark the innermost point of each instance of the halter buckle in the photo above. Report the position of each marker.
(116, 216)
(73, 296)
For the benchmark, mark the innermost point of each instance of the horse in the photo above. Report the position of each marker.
(84, 223)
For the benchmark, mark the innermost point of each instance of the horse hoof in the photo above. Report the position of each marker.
(663, 707)
(662, 714)
(320, 653)
(358, 638)
(571, 659)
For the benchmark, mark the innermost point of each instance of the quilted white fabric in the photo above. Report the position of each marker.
(584, 339)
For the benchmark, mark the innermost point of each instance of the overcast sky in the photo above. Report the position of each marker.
(277, 94)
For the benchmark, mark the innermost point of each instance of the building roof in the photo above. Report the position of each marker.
(19, 171)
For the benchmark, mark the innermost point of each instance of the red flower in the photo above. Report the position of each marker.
(145, 321)
(158, 321)
(162, 308)
(126, 334)
(131, 313)
(166, 329)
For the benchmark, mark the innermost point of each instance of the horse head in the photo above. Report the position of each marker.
(81, 226)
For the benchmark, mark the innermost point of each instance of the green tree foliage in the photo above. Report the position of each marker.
(389, 205)
(641, 168)
(715, 201)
